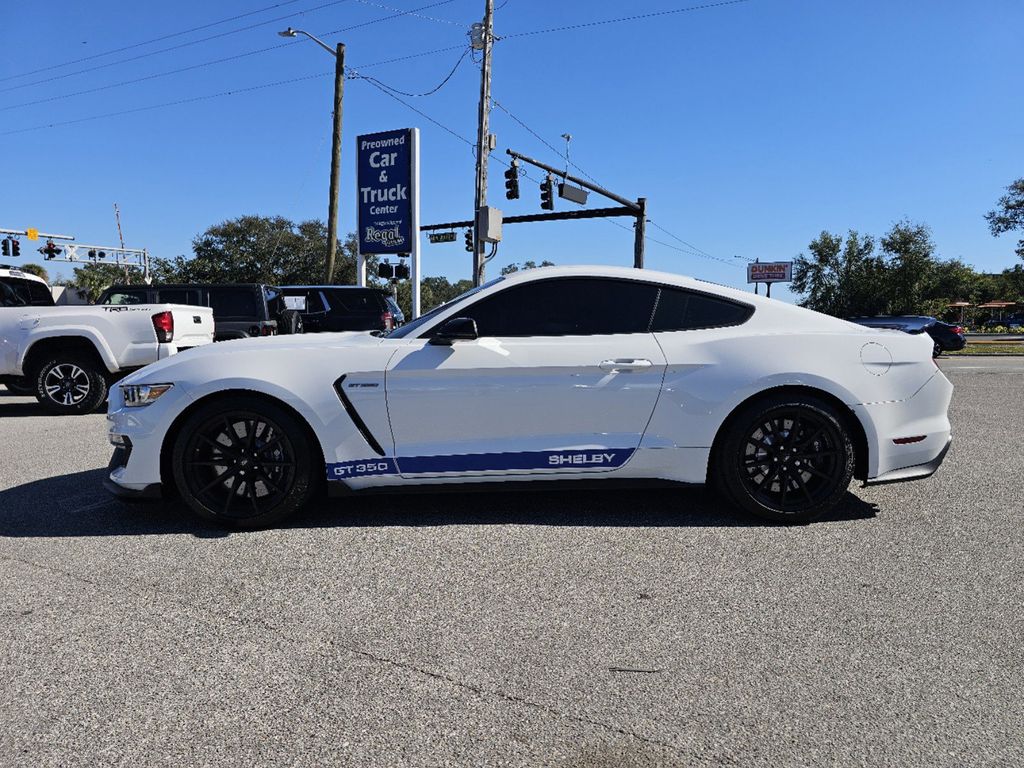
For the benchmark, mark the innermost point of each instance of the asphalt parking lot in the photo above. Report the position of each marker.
(567, 629)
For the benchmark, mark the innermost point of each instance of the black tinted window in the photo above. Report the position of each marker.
(234, 302)
(179, 296)
(40, 294)
(683, 310)
(354, 301)
(8, 298)
(566, 307)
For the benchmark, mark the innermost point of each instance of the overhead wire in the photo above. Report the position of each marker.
(431, 92)
(149, 42)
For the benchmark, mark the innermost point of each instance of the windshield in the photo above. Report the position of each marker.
(412, 327)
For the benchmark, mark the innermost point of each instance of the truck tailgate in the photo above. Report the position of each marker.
(193, 326)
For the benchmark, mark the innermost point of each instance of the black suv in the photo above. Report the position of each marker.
(343, 307)
(239, 310)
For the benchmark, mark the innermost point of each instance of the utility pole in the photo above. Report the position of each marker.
(483, 138)
(640, 234)
(332, 207)
(339, 94)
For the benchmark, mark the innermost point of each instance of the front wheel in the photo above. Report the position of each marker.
(70, 384)
(785, 459)
(243, 463)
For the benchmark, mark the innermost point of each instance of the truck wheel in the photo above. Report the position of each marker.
(69, 384)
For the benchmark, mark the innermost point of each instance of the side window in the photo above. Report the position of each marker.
(178, 296)
(680, 310)
(566, 307)
(126, 297)
(40, 294)
(8, 298)
(233, 302)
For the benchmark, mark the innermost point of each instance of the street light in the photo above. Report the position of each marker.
(339, 93)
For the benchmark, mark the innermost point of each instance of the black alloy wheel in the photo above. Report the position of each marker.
(70, 385)
(245, 464)
(788, 460)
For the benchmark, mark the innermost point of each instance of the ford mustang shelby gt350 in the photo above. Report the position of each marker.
(574, 373)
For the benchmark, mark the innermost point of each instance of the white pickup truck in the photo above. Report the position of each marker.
(68, 356)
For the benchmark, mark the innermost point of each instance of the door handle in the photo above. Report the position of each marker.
(625, 364)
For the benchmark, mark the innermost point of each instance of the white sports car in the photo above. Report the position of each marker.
(564, 373)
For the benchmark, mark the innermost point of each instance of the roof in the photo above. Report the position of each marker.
(6, 270)
(332, 287)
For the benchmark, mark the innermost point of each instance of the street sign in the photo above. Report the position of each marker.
(386, 191)
(32, 234)
(441, 237)
(770, 272)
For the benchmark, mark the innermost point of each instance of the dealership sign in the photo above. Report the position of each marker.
(387, 182)
(770, 272)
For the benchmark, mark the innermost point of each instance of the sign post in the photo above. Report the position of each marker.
(387, 201)
(769, 272)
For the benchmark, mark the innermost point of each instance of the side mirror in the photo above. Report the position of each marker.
(456, 329)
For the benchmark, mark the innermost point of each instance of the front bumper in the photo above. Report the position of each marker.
(916, 472)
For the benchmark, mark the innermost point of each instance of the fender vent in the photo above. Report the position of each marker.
(356, 418)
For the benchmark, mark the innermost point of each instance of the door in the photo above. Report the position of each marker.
(563, 379)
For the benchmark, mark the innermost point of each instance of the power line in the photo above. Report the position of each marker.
(178, 47)
(419, 112)
(412, 13)
(388, 18)
(637, 17)
(432, 91)
(232, 92)
(148, 42)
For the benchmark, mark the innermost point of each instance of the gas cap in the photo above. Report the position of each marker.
(876, 358)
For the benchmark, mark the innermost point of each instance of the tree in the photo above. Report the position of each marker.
(515, 267)
(910, 265)
(266, 249)
(1009, 213)
(96, 277)
(37, 270)
(434, 291)
(840, 278)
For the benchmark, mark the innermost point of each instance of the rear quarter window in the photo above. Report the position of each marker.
(234, 302)
(680, 310)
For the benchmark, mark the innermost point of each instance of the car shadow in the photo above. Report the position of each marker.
(77, 505)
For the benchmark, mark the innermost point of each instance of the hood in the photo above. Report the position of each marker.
(254, 346)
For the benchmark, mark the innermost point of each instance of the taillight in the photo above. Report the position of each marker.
(163, 324)
(268, 330)
(388, 321)
(958, 330)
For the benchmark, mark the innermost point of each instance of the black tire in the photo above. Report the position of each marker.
(19, 385)
(784, 458)
(225, 443)
(289, 322)
(71, 384)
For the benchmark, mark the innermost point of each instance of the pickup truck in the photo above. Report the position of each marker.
(69, 356)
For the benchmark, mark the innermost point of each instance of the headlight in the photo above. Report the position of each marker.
(137, 395)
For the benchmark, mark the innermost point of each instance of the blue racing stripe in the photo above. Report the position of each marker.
(590, 458)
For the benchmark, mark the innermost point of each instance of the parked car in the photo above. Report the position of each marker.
(1010, 322)
(68, 356)
(560, 373)
(240, 310)
(344, 308)
(945, 337)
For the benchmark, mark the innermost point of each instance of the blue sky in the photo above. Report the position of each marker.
(749, 127)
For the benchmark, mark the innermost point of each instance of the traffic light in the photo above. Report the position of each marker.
(385, 270)
(15, 247)
(402, 271)
(512, 182)
(547, 199)
(50, 250)
(469, 240)
(6, 247)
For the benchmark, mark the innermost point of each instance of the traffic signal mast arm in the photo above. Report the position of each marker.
(634, 205)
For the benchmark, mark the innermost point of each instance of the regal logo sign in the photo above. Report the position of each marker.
(770, 272)
(386, 191)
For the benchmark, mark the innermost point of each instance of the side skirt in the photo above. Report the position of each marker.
(339, 489)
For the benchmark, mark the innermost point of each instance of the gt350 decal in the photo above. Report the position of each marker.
(481, 462)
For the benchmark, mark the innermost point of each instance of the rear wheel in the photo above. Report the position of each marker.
(785, 458)
(289, 322)
(70, 384)
(244, 463)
